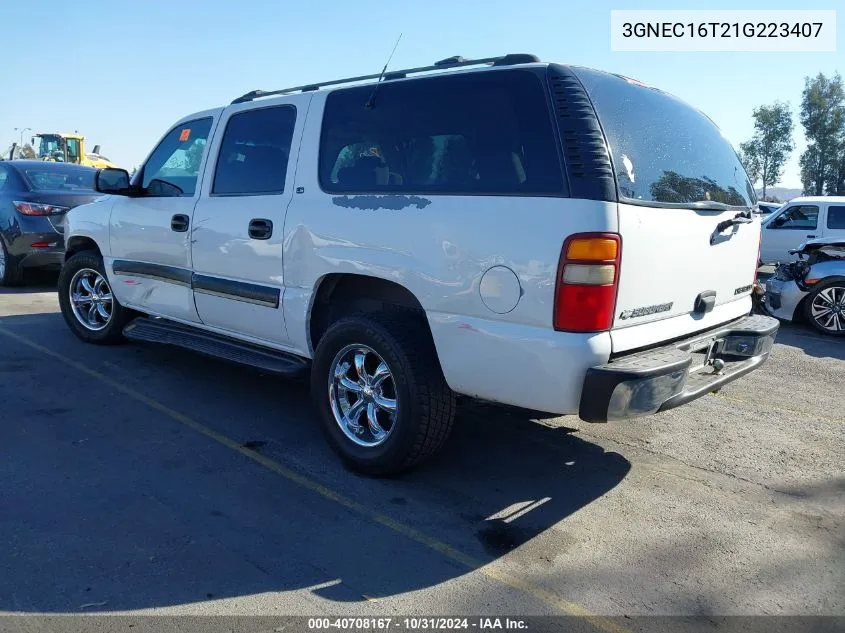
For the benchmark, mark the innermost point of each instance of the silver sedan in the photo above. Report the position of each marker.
(811, 288)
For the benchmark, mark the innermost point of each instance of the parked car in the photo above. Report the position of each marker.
(437, 233)
(813, 287)
(799, 220)
(766, 208)
(34, 197)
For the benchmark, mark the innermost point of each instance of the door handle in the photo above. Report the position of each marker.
(811, 236)
(179, 222)
(260, 229)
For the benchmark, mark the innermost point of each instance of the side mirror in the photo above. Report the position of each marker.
(779, 221)
(96, 149)
(32, 141)
(112, 180)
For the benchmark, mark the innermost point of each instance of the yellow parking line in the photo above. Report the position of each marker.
(797, 414)
(449, 552)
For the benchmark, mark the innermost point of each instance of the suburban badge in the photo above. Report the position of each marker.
(639, 312)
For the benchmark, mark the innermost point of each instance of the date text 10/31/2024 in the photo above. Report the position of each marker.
(417, 623)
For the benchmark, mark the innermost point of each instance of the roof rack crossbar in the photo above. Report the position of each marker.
(444, 64)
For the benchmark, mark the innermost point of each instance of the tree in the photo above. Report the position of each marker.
(823, 119)
(765, 155)
(750, 159)
(16, 151)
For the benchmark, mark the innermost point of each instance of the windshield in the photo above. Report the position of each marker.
(66, 179)
(50, 145)
(663, 150)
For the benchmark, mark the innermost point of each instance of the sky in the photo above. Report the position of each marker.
(122, 73)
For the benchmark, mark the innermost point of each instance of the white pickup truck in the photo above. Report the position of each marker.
(798, 221)
(500, 228)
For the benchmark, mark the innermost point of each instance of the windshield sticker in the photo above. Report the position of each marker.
(185, 135)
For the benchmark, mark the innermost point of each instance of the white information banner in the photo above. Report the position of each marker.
(723, 30)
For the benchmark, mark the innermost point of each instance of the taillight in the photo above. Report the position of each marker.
(587, 281)
(36, 208)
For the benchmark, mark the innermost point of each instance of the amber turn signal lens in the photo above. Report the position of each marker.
(592, 249)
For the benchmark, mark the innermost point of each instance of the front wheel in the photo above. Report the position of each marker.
(380, 393)
(87, 302)
(824, 308)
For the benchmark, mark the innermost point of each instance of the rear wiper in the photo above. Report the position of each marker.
(743, 217)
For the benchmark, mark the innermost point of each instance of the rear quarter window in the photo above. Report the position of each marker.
(836, 217)
(487, 133)
(664, 150)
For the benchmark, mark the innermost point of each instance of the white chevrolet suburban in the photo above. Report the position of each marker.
(550, 237)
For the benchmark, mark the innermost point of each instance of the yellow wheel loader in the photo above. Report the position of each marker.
(68, 148)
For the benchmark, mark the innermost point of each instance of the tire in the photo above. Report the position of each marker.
(424, 405)
(96, 329)
(830, 294)
(10, 273)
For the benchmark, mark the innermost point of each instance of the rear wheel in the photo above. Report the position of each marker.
(10, 273)
(87, 302)
(380, 393)
(824, 308)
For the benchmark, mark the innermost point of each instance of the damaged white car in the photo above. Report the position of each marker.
(811, 288)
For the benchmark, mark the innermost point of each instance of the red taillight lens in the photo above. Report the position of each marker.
(36, 208)
(587, 281)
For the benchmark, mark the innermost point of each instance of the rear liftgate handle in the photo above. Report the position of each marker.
(260, 229)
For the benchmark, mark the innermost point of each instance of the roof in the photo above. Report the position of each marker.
(828, 199)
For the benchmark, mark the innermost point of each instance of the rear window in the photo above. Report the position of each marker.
(63, 179)
(836, 217)
(664, 150)
(475, 133)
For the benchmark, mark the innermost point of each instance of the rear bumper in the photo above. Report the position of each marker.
(662, 378)
(27, 256)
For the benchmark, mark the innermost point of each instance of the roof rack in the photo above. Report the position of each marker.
(450, 62)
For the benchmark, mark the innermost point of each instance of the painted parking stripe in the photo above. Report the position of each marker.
(491, 571)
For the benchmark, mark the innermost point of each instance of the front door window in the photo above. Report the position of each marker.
(173, 167)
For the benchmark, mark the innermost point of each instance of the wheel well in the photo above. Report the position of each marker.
(799, 315)
(79, 244)
(341, 294)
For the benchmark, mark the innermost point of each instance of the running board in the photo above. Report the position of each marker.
(152, 330)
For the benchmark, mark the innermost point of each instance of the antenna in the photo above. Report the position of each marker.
(371, 102)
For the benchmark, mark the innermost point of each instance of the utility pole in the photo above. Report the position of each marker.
(22, 130)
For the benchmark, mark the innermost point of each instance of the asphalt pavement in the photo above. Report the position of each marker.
(141, 479)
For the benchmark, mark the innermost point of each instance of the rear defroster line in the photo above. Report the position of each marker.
(447, 551)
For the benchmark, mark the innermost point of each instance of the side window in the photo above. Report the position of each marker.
(802, 216)
(177, 159)
(72, 150)
(481, 133)
(836, 218)
(253, 157)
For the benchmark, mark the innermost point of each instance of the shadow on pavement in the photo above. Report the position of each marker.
(33, 281)
(813, 343)
(109, 503)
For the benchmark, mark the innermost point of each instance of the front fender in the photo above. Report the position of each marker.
(90, 222)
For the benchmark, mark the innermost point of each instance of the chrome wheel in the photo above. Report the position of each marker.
(828, 308)
(91, 299)
(362, 395)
